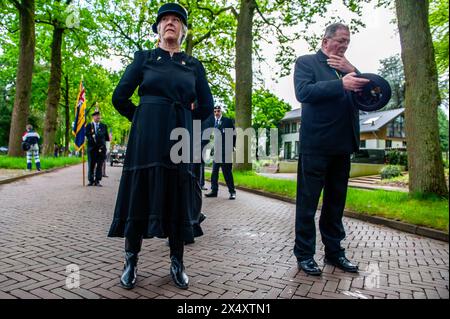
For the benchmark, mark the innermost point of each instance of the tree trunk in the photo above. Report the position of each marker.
(426, 171)
(54, 93)
(24, 76)
(244, 77)
(67, 116)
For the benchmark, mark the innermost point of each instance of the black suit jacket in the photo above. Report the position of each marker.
(225, 154)
(330, 120)
(97, 142)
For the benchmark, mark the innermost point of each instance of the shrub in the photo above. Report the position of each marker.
(397, 157)
(391, 171)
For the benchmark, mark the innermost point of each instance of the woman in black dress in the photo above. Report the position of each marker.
(156, 194)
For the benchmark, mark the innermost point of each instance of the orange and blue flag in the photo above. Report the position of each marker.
(79, 124)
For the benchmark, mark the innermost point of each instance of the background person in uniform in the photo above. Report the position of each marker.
(328, 135)
(97, 136)
(156, 192)
(31, 137)
(222, 159)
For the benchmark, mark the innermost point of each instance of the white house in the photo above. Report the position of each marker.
(379, 130)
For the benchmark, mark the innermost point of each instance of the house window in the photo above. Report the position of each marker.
(362, 144)
(287, 128)
(404, 144)
(388, 144)
(396, 128)
(294, 128)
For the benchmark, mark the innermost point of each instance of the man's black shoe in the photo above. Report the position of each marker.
(98, 184)
(211, 194)
(342, 263)
(310, 267)
(91, 184)
(232, 196)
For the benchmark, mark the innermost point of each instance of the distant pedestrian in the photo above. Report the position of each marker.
(55, 150)
(32, 138)
(222, 156)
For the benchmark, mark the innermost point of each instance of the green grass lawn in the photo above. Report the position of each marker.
(46, 162)
(419, 210)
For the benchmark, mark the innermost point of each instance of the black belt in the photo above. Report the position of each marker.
(164, 100)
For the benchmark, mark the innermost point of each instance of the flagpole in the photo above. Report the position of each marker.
(84, 173)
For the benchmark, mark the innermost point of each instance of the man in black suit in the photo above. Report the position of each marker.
(328, 135)
(223, 154)
(97, 136)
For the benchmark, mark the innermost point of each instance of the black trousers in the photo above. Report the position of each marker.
(95, 166)
(227, 174)
(317, 173)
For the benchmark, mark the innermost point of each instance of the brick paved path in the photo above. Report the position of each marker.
(246, 251)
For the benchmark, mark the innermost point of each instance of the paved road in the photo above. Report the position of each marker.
(49, 222)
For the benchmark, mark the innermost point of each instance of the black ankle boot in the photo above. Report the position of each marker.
(179, 276)
(128, 278)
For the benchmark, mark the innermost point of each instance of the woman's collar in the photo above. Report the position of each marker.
(161, 50)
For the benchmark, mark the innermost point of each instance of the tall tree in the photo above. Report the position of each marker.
(244, 75)
(425, 164)
(70, 36)
(25, 9)
(58, 24)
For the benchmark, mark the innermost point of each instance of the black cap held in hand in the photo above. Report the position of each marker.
(375, 95)
(173, 8)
